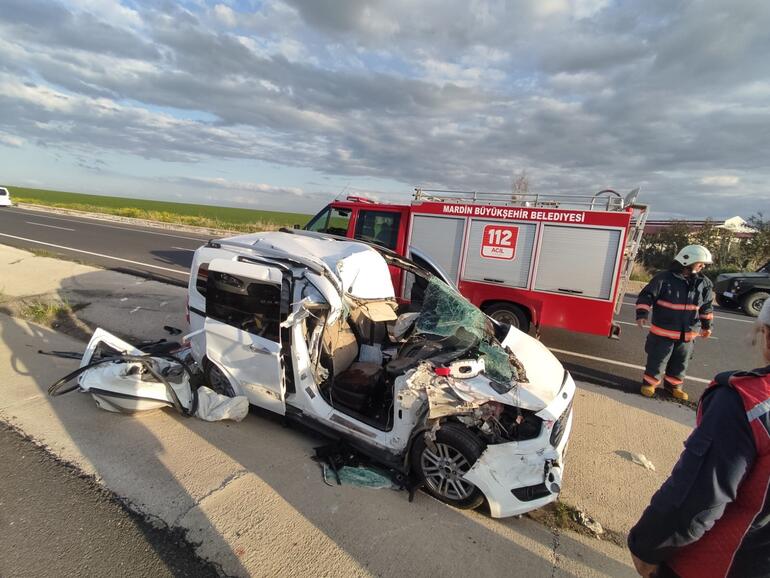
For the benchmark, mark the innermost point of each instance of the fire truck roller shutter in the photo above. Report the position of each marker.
(512, 267)
(577, 261)
(442, 239)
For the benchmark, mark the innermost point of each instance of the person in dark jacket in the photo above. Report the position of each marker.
(681, 303)
(711, 518)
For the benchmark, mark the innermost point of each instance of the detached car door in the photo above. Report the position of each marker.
(243, 316)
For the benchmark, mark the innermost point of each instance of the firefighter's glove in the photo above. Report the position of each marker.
(705, 333)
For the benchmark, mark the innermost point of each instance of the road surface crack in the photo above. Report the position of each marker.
(226, 482)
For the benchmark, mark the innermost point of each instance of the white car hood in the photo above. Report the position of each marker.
(544, 371)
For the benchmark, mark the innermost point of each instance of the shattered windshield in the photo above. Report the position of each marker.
(447, 313)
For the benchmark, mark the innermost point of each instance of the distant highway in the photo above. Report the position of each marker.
(166, 255)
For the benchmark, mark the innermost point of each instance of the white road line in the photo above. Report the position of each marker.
(51, 226)
(621, 363)
(184, 249)
(91, 221)
(94, 254)
(715, 316)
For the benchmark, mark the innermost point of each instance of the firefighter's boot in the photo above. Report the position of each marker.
(677, 392)
(647, 389)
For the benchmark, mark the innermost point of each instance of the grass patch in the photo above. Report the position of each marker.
(44, 312)
(246, 220)
(43, 253)
(50, 311)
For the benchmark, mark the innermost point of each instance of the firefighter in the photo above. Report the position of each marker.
(680, 300)
(711, 518)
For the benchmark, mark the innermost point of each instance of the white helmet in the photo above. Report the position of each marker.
(694, 254)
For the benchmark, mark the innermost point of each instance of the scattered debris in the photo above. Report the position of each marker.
(360, 476)
(588, 522)
(172, 330)
(125, 379)
(638, 459)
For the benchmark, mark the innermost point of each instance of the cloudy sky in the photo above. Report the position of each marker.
(284, 104)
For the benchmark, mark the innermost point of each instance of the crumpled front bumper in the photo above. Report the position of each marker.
(519, 477)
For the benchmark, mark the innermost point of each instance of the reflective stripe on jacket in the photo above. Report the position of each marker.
(680, 305)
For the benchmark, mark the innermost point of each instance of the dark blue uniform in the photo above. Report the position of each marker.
(711, 518)
(681, 305)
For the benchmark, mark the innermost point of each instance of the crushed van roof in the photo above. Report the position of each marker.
(362, 270)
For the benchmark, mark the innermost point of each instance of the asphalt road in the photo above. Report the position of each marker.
(166, 255)
(54, 522)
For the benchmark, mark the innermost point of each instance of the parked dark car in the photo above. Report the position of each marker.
(745, 290)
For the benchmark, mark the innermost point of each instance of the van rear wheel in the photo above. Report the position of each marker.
(216, 380)
(509, 313)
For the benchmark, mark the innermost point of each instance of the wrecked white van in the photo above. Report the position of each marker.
(307, 326)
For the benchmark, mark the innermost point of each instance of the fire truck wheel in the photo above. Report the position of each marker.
(509, 313)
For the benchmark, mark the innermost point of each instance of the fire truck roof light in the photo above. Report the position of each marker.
(357, 199)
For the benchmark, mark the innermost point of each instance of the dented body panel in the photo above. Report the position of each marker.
(343, 354)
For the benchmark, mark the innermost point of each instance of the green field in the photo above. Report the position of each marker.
(182, 213)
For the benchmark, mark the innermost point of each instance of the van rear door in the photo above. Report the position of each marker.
(242, 327)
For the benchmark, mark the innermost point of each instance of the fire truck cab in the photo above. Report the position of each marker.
(526, 260)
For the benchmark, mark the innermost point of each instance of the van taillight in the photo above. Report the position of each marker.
(201, 279)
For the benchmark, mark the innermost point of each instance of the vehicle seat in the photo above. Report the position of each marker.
(355, 386)
(340, 345)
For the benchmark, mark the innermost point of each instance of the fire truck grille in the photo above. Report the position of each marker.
(560, 426)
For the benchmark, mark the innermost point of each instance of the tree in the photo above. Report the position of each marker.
(520, 185)
(658, 250)
(754, 251)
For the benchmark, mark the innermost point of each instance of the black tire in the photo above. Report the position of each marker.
(509, 313)
(216, 380)
(752, 303)
(726, 303)
(455, 451)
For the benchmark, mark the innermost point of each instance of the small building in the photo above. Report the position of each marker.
(738, 226)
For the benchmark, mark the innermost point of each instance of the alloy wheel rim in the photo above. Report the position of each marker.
(443, 471)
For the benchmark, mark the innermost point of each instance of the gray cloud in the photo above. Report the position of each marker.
(670, 95)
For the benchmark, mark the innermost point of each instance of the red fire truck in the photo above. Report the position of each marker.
(527, 260)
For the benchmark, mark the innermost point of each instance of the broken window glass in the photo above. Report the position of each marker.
(448, 314)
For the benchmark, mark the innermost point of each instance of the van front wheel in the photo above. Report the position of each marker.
(442, 465)
(510, 314)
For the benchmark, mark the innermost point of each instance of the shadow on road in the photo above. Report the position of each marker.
(251, 494)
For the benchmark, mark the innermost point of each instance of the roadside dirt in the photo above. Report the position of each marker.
(560, 516)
